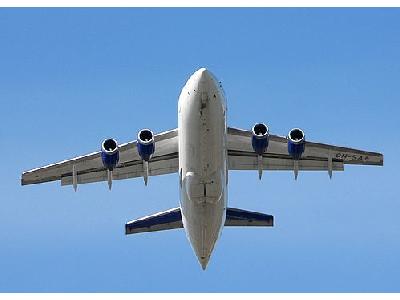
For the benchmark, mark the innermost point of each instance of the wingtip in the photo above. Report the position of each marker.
(127, 230)
(23, 181)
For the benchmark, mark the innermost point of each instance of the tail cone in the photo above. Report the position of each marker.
(204, 262)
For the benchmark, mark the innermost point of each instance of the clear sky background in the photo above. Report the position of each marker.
(71, 77)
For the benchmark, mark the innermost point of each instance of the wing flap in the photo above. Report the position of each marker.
(249, 161)
(158, 166)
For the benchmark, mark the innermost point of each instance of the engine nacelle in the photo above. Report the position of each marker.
(296, 143)
(110, 153)
(260, 138)
(145, 144)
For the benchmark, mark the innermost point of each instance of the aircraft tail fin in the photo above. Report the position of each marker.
(172, 219)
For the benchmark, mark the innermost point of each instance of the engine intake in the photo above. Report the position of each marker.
(110, 153)
(260, 138)
(296, 143)
(145, 144)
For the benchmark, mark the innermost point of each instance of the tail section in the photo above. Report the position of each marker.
(172, 219)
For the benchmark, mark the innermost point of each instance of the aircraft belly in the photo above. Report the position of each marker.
(203, 223)
(202, 164)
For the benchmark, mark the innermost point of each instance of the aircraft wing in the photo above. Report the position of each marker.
(316, 156)
(89, 168)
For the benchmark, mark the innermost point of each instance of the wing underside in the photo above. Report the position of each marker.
(316, 156)
(89, 168)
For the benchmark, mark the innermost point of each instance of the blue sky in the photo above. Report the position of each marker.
(71, 77)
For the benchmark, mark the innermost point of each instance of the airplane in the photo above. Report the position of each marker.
(201, 151)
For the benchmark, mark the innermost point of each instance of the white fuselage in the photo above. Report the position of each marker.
(202, 161)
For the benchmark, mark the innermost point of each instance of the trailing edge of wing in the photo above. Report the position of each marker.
(172, 219)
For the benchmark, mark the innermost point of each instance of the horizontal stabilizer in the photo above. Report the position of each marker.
(169, 219)
(172, 219)
(240, 217)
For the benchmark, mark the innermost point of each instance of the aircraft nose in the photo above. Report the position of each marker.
(204, 75)
(205, 80)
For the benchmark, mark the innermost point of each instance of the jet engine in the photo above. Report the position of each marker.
(110, 153)
(260, 138)
(296, 143)
(145, 144)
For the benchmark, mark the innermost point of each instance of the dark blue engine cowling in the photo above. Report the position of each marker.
(110, 153)
(145, 144)
(296, 143)
(260, 138)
